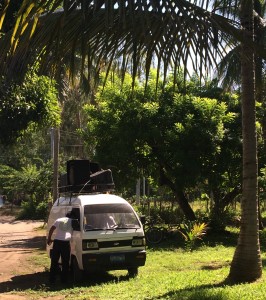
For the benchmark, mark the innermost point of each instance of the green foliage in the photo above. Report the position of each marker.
(262, 184)
(34, 102)
(34, 210)
(28, 210)
(34, 147)
(29, 186)
(41, 209)
(191, 232)
(167, 214)
(219, 221)
(192, 139)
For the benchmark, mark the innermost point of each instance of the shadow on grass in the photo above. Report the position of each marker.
(202, 292)
(212, 239)
(40, 282)
(35, 281)
(225, 238)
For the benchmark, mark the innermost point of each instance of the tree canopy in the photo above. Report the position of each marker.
(31, 103)
(172, 135)
(175, 32)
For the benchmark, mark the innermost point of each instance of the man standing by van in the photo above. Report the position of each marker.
(61, 247)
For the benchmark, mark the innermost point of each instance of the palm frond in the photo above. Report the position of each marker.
(176, 33)
(3, 10)
(228, 68)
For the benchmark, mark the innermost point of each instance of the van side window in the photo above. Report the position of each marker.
(76, 221)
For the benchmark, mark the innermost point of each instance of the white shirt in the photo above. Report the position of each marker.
(63, 229)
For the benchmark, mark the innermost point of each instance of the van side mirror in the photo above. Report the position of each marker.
(76, 218)
(143, 219)
(75, 225)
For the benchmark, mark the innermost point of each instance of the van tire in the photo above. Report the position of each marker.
(76, 271)
(132, 272)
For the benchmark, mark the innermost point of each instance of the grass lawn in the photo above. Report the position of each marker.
(170, 272)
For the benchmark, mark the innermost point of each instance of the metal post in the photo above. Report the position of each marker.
(138, 191)
(144, 187)
(55, 162)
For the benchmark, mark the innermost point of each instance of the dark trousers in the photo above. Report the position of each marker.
(60, 249)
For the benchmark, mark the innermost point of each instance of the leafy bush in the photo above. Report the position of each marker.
(41, 210)
(31, 185)
(27, 210)
(32, 102)
(191, 232)
(164, 213)
(32, 210)
(218, 222)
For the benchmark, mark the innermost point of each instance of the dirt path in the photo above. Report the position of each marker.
(18, 241)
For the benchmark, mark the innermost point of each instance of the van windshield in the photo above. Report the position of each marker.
(109, 216)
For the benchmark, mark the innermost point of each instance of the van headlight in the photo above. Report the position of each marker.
(90, 245)
(138, 241)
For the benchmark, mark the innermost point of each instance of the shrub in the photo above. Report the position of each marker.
(32, 210)
(191, 232)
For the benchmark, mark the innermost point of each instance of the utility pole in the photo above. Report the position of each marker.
(138, 191)
(55, 138)
(144, 187)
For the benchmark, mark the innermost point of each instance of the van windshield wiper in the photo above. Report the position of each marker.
(127, 227)
(90, 228)
(99, 228)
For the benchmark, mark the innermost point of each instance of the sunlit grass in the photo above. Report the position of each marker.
(170, 273)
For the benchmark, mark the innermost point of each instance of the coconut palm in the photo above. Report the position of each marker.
(228, 69)
(175, 33)
(247, 254)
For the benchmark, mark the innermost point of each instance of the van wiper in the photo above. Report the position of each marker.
(93, 229)
(114, 228)
(98, 228)
(127, 227)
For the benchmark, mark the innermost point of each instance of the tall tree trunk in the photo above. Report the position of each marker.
(184, 206)
(246, 265)
(180, 196)
(260, 78)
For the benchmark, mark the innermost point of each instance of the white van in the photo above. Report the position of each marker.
(108, 234)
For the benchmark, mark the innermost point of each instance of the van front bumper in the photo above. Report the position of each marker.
(113, 260)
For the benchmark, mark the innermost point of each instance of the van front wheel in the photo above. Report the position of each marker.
(77, 273)
(132, 272)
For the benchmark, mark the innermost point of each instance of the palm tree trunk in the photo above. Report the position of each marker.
(246, 265)
(260, 79)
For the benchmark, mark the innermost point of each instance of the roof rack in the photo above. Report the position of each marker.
(85, 177)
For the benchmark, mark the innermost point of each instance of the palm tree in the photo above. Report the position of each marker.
(246, 265)
(228, 70)
(176, 33)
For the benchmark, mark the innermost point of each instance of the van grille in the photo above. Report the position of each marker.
(108, 244)
(113, 244)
